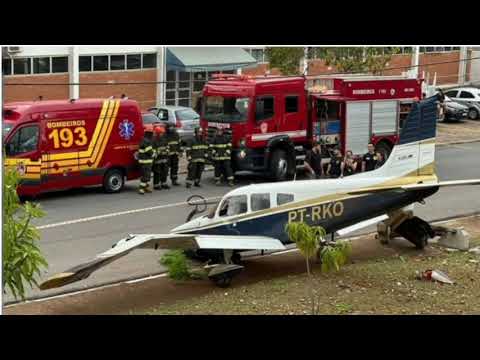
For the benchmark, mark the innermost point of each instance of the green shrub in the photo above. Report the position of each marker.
(22, 259)
(177, 265)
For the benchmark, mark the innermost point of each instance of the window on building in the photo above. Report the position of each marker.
(149, 61)
(466, 95)
(117, 62)
(7, 66)
(41, 65)
(284, 198)
(134, 61)
(258, 54)
(291, 104)
(100, 63)
(22, 66)
(60, 64)
(233, 205)
(171, 79)
(184, 79)
(23, 141)
(260, 201)
(264, 108)
(85, 63)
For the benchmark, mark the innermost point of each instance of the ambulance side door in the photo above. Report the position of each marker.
(66, 138)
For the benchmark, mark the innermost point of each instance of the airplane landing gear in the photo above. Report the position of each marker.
(222, 274)
(412, 228)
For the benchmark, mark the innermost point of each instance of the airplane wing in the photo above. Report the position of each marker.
(415, 186)
(361, 225)
(160, 241)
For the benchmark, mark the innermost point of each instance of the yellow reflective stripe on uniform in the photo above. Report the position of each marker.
(145, 161)
(220, 145)
(199, 147)
(173, 143)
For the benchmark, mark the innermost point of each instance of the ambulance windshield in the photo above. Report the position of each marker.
(226, 109)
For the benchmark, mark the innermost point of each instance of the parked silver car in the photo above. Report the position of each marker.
(185, 119)
(468, 96)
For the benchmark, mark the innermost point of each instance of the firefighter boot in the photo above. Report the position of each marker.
(197, 184)
(165, 186)
(157, 187)
(175, 182)
(147, 189)
(141, 191)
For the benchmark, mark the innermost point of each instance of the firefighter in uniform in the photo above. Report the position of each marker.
(220, 149)
(174, 152)
(197, 153)
(160, 164)
(145, 159)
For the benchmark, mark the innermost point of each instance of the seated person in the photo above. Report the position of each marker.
(349, 165)
(380, 160)
(313, 162)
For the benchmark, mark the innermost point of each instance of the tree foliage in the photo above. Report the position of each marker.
(356, 59)
(286, 59)
(177, 265)
(344, 59)
(22, 259)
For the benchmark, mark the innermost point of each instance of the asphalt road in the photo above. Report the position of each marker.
(82, 223)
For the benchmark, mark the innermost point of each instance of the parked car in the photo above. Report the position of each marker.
(185, 119)
(454, 111)
(468, 96)
(150, 119)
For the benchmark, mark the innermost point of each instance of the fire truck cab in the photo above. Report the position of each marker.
(274, 120)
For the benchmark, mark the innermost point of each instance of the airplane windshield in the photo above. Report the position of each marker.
(233, 205)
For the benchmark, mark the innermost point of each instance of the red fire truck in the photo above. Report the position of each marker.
(273, 120)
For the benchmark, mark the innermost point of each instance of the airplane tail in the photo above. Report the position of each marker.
(413, 157)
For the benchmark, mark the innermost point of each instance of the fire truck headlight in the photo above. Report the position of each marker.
(242, 154)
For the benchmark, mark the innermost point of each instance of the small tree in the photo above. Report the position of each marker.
(307, 239)
(286, 59)
(22, 259)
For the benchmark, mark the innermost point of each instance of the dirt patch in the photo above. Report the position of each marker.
(277, 285)
(463, 131)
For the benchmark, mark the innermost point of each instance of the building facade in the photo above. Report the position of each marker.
(151, 75)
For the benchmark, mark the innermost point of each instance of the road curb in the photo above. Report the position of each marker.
(134, 279)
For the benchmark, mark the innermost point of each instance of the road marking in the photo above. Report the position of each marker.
(120, 213)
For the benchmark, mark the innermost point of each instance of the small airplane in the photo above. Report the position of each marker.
(254, 217)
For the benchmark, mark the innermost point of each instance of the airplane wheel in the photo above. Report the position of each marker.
(222, 280)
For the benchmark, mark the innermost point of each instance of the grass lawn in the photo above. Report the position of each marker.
(385, 285)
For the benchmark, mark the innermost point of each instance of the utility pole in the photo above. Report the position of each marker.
(462, 66)
(415, 62)
(74, 73)
(161, 74)
(305, 61)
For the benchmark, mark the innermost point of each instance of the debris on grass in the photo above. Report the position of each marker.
(434, 275)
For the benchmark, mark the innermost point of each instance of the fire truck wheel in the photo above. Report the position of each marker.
(113, 181)
(279, 165)
(384, 148)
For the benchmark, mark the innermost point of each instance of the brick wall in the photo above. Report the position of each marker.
(145, 94)
(446, 73)
(32, 92)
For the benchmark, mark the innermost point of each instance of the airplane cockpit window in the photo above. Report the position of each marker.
(233, 205)
(284, 198)
(259, 201)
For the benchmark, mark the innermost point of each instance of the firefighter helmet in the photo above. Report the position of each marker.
(159, 130)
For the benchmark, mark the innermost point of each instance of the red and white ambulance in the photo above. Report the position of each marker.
(64, 144)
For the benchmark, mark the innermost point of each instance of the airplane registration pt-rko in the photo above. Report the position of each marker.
(253, 217)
